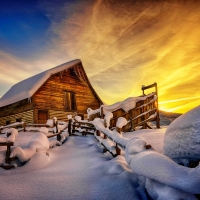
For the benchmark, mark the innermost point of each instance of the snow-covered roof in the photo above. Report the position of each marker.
(26, 88)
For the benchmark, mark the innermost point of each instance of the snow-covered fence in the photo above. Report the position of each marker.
(138, 111)
(51, 125)
(8, 141)
(157, 172)
(20, 126)
(111, 140)
(83, 127)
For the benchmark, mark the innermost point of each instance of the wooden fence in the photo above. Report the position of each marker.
(145, 111)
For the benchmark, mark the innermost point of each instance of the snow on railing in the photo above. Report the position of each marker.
(159, 171)
(137, 110)
(3, 129)
(12, 134)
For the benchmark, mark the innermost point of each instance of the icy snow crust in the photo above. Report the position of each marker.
(26, 88)
(182, 137)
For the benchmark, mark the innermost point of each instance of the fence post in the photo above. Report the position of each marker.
(102, 112)
(118, 150)
(24, 126)
(70, 127)
(157, 108)
(98, 132)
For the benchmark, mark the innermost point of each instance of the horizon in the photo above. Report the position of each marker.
(122, 45)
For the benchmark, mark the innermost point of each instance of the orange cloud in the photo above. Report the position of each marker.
(126, 44)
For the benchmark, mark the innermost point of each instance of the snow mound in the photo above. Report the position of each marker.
(182, 137)
(39, 143)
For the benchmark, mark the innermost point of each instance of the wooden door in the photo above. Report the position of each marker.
(42, 116)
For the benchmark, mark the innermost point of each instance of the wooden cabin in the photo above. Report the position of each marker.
(57, 92)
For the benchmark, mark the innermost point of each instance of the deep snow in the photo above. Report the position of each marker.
(75, 170)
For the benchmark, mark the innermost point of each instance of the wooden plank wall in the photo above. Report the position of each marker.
(61, 115)
(51, 95)
(15, 108)
(26, 117)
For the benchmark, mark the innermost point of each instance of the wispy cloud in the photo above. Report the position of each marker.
(126, 44)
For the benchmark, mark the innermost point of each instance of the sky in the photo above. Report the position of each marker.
(122, 45)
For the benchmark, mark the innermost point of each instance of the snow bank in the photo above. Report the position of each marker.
(12, 135)
(182, 137)
(39, 143)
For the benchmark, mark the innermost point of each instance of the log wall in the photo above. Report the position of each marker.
(25, 116)
(51, 96)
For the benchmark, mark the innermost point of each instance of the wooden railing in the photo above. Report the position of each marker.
(14, 125)
(145, 111)
(85, 127)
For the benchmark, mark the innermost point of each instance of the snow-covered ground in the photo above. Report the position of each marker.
(75, 170)
(79, 170)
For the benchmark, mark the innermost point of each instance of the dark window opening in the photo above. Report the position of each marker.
(8, 122)
(19, 119)
(70, 101)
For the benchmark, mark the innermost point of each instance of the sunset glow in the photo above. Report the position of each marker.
(122, 44)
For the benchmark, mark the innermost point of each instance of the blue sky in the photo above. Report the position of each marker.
(122, 44)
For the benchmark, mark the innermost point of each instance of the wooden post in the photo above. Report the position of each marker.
(98, 132)
(118, 150)
(70, 127)
(119, 130)
(58, 137)
(102, 112)
(24, 126)
(7, 155)
(157, 108)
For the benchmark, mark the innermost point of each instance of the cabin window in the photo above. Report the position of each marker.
(70, 100)
(19, 119)
(8, 122)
